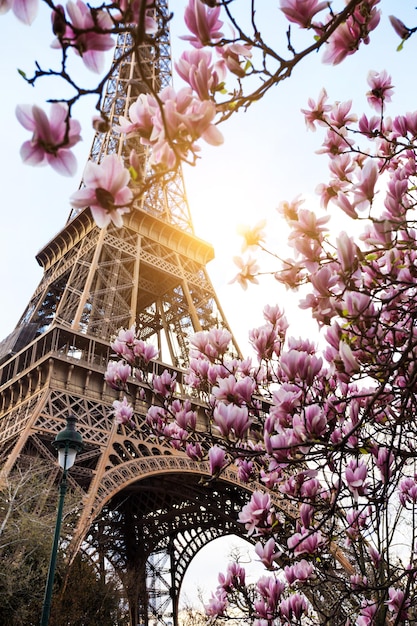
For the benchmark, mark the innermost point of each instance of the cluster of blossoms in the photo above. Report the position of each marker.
(168, 125)
(330, 434)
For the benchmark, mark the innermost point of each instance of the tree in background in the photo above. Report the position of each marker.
(27, 520)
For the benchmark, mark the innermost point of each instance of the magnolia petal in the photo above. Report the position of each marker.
(64, 162)
(24, 115)
(92, 175)
(5, 5)
(116, 217)
(32, 154)
(42, 125)
(123, 197)
(101, 217)
(57, 119)
(93, 60)
(213, 136)
(82, 198)
(26, 10)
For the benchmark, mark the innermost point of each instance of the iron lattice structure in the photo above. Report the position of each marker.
(144, 507)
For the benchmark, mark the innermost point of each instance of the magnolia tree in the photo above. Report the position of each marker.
(329, 433)
(229, 65)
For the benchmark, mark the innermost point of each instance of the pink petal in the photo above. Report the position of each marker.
(101, 217)
(92, 175)
(5, 5)
(93, 60)
(64, 162)
(213, 136)
(32, 154)
(57, 121)
(24, 115)
(42, 126)
(123, 197)
(25, 10)
(83, 198)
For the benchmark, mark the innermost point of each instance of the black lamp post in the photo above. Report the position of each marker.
(67, 442)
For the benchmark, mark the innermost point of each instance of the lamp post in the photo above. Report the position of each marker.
(67, 442)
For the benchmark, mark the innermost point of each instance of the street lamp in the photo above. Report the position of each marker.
(67, 442)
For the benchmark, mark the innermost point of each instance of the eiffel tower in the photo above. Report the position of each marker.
(144, 507)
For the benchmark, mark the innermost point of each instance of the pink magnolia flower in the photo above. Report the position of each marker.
(268, 553)
(293, 607)
(274, 315)
(256, 515)
(315, 421)
(400, 28)
(234, 577)
(340, 114)
(381, 89)
(231, 419)
(358, 582)
(270, 588)
(398, 603)
(369, 127)
(342, 201)
(194, 451)
(356, 474)
(375, 556)
(195, 68)
(300, 571)
(348, 36)
(212, 343)
(367, 614)
(185, 417)
(217, 604)
(165, 383)
(245, 470)
(254, 236)
(89, 35)
(52, 138)
(203, 22)
(265, 341)
(144, 351)
(408, 491)
(347, 251)
(117, 373)
(235, 57)
(384, 461)
(198, 121)
(123, 412)
(317, 111)
(301, 12)
(24, 10)
(305, 542)
(105, 192)
(249, 268)
(217, 460)
(172, 135)
(140, 120)
(364, 190)
(349, 361)
(226, 390)
(176, 435)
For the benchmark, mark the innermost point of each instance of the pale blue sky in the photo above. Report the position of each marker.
(268, 156)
